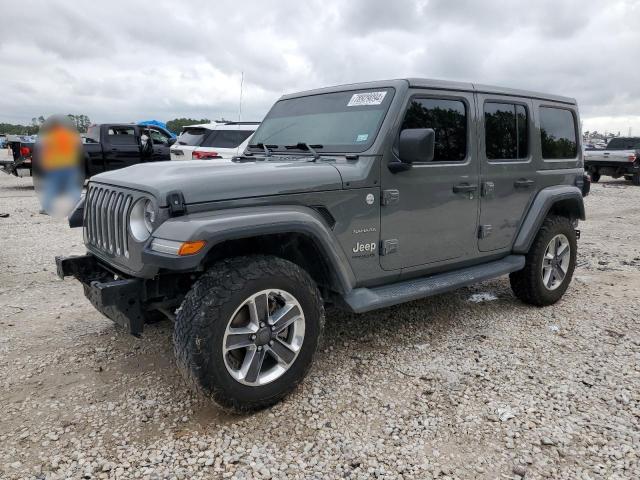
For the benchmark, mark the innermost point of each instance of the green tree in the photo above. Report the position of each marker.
(177, 124)
(12, 129)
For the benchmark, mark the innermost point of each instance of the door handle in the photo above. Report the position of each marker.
(464, 188)
(523, 183)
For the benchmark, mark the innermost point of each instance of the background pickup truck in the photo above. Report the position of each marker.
(20, 155)
(620, 158)
(113, 146)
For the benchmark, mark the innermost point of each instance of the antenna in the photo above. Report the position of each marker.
(240, 105)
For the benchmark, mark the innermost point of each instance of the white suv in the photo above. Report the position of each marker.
(210, 141)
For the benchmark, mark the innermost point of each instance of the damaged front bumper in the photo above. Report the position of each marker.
(119, 299)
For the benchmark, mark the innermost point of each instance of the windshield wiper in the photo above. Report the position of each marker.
(266, 148)
(306, 146)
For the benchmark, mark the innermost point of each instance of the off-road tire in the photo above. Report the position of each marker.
(527, 283)
(635, 179)
(595, 177)
(206, 310)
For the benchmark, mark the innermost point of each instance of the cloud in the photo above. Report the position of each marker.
(124, 60)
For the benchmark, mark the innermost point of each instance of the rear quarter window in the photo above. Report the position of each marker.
(558, 133)
(192, 137)
(226, 138)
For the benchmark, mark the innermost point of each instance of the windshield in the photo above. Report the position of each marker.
(192, 136)
(335, 122)
(631, 143)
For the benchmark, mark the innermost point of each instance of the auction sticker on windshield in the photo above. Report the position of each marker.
(368, 98)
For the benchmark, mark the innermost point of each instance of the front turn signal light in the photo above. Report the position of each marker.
(191, 248)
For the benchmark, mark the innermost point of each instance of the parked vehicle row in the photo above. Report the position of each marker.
(361, 196)
(20, 160)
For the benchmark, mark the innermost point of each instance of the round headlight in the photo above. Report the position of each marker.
(141, 219)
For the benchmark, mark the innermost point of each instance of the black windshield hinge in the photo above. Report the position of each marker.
(175, 200)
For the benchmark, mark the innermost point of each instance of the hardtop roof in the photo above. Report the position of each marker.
(222, 125)
(436, 85)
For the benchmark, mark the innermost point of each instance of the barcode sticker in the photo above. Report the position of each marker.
(368, 98)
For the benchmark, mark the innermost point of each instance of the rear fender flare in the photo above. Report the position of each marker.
(571, 198)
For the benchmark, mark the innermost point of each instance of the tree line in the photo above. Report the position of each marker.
(82, 122)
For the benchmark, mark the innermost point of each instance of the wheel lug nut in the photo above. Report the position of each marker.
(253, 337)
(259, 348)
(261, 324)
(270, 342)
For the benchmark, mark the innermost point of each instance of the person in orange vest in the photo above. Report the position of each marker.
(58, 155)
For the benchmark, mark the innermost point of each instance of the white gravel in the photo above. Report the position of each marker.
(469, 385)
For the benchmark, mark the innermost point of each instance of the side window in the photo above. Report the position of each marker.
(448, 118)
(159, 137)
(122, 136)
(505, 127)
(558, 133)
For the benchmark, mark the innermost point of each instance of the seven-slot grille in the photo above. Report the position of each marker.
(106, 214)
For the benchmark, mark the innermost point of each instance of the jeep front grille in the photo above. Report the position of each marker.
(106, 214)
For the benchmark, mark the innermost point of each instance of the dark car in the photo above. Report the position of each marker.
(360, 196)
(112, 146)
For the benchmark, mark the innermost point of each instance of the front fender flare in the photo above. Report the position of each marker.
(542, 204)
(238, 223)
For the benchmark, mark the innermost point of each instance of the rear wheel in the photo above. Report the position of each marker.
(248, 330)
(635, 179)
(549, 264)
(595, 177)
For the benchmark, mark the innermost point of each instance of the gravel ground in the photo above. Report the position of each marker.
(471, 384)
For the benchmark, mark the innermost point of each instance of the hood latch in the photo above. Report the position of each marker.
(175, 200)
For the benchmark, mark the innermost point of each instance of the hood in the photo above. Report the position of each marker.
(211, 180)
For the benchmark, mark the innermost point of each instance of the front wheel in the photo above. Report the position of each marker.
(248, 330)
(549, 265)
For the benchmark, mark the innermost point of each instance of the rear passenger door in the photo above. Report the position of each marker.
(508, 172)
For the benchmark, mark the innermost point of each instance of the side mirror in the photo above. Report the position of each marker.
(171, 141)
(417, 145)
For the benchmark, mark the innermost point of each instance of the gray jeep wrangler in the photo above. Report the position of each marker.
(361, 196)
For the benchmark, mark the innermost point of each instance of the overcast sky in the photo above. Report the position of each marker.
(130, 60)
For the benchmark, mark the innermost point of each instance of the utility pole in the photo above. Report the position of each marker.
(240, 105)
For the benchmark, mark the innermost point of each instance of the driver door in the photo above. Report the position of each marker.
(430, 211)
(160, 146)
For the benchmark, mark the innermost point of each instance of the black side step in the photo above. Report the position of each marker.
(361, 300)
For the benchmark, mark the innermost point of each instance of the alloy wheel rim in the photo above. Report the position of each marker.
(263, 337)
(555, 263)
